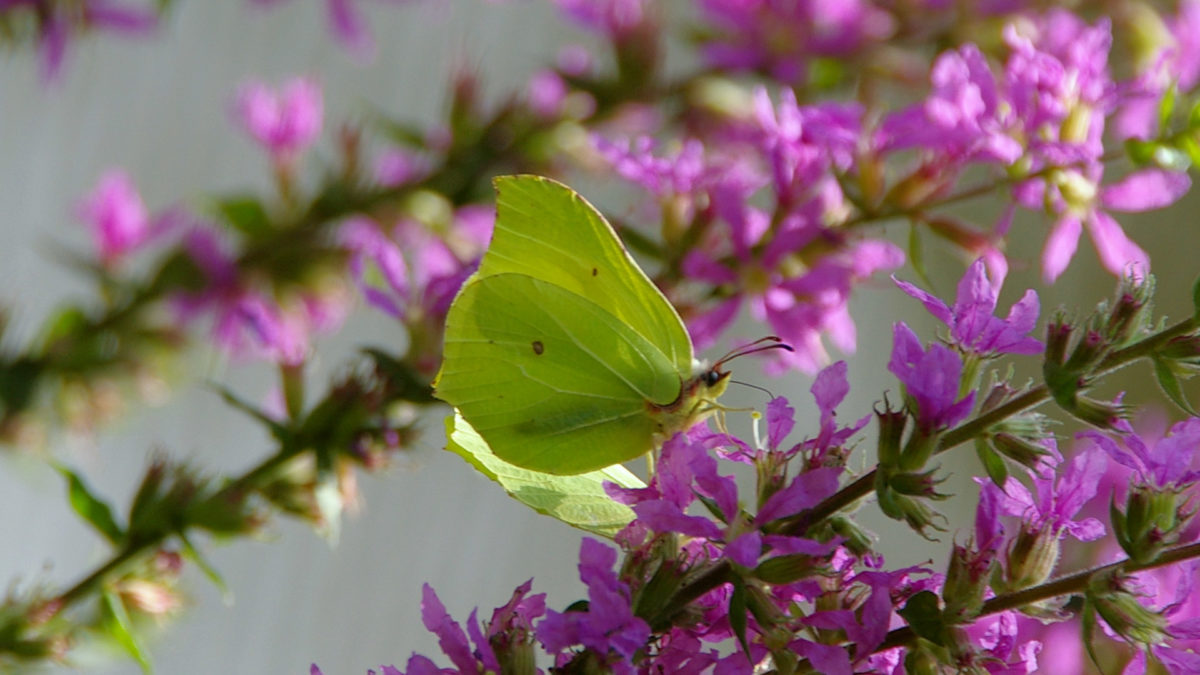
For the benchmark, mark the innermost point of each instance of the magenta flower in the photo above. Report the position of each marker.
(1171, 591)
(1053, 506)
(245, 321)
(1165, 463)
(608, 627)
(780, 37)
(613, 18)
(57, 21)
(284, 122)
(1081, 205)
(973, 326)
(415, 273)
(117, 217)
(965, 115)
(931, 379)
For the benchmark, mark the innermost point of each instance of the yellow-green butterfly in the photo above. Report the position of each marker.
(560, 351)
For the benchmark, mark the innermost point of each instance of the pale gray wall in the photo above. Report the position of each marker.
(158, 107)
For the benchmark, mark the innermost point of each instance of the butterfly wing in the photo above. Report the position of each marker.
(545, 230)
(553, 381)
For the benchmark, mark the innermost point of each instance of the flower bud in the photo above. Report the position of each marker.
(967, 578)
(1123, 613)
(1151, 521)
(1031, 557)
(1020, 450)
(891, 432)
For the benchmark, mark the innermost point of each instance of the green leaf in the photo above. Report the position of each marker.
(245, 214)
(279, 431)
(95, 511)
(191, 553)
(1190, 146)
(993, 463)
(1141, 152)
(916, 254)
(1168, 381)
(1194, 116)
(121, 629)
(737, 614)
(923, 613)
(1196, 300)
(579, 500)
(1166, 107)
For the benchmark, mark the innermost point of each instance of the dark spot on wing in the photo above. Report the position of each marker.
(538, 347)
(595, 271)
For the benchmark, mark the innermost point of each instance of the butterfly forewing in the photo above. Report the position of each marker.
(547, 231)
(553, 381)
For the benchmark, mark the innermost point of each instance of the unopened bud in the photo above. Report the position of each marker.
(1023, 451)
(1031, 558)
(1123, 613)
(891, 433)
(967, 578)
(1151, 521)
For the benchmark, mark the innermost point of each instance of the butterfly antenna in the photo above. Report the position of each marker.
(754, 348)
(764, 390)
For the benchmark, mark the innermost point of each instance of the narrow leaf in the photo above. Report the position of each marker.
(121, 630)
(923, 613)
(737, 614)
(1166, 108)
(95, 511)
(279, 431)
(245, 214)
(1168, 381)
(191, 553)
(993, 463)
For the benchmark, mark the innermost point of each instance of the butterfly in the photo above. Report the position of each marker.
(559, 350)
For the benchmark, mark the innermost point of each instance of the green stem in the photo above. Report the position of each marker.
(1072, 583)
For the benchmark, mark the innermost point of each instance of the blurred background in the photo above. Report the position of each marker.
(159, 107)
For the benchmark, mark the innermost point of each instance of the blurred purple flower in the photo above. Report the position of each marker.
(613, 18)
(285, 122)
(780, 38)
(57, 22)
(245, 321)
(931, 378)
(117, 217)
(1081, 204)
(972, 323)
(964, 116)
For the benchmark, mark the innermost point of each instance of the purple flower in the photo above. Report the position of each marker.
(780, 37)
(1165, 463)
(613, 18)
(965, 115)
(931, 379)
(246, 322)
(57, 21)
(1052, 507)
(803, 143)
(284, 122)
(973, 326)
(117, 217)
(1082, 205)
(608, 627)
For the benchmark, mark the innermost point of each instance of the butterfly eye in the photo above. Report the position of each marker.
(712, 377)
